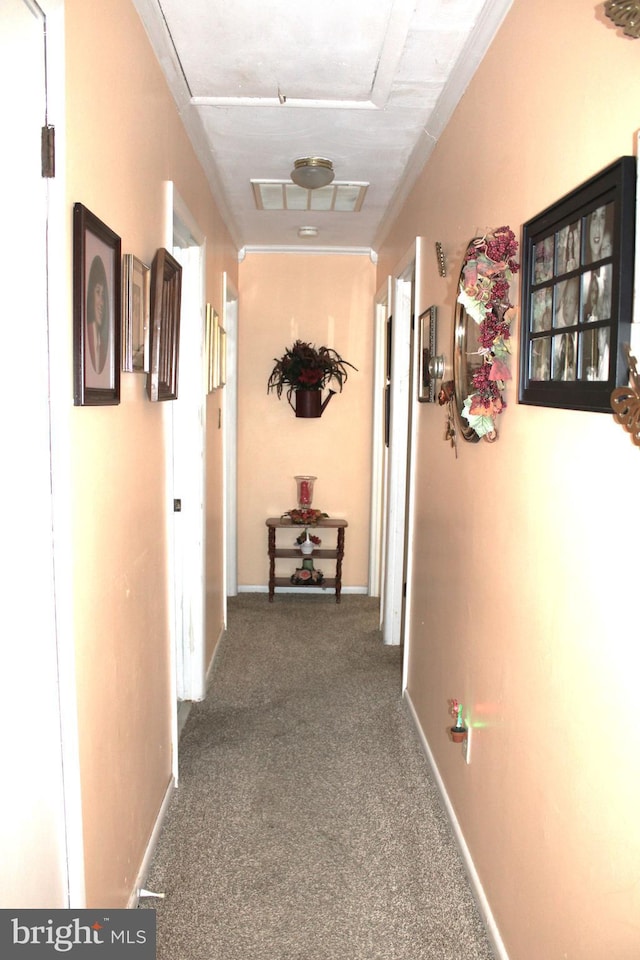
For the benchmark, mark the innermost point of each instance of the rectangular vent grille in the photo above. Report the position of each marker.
(337, 197)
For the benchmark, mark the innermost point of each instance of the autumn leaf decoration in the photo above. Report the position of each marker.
(488, 268)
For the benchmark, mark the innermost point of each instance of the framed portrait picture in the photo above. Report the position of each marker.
(96, 310)
(164, 340)
(135, 315)
(577, 293)
(426, 350)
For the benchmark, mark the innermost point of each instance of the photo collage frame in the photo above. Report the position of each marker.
(577, 289)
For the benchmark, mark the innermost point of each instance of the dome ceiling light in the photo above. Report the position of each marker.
(312, 172)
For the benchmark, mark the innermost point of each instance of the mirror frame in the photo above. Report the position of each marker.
(462, 370)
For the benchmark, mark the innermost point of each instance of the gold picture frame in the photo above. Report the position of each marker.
(136, 277)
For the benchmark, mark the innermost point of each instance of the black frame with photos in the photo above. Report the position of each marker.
(577, 293)
(96, 342)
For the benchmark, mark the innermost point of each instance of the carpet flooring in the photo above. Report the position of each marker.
(306, 825)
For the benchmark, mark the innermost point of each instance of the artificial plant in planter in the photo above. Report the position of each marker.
(458, 731)
(304, 370)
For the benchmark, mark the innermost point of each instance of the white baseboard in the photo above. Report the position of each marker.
(134, 896)
(314, 590)
(476, 886)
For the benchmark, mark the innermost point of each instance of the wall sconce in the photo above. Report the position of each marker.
(442, 267)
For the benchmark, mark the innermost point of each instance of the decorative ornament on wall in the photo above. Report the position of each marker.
(625, 401)
(482, 332)
(303, 371)
(625, 14)
(459, 730)
(446, 397)
(442, 266)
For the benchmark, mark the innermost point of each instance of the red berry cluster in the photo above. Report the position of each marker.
(493, 328)
(503, 247)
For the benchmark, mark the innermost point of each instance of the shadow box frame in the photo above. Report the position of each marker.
(164, 342)
(427, 322)
(577, 293)
(97, 254)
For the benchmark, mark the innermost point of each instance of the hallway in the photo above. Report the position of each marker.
(306, 824)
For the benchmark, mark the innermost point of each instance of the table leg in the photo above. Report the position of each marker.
(272, 562)
(340, 555)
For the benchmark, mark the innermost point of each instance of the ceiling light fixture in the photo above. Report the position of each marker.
(312, 172)
(307, 231)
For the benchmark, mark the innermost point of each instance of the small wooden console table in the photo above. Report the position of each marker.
(327, 523)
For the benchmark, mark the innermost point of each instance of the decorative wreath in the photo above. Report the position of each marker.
(487, 269)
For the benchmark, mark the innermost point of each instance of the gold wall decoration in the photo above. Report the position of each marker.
(625, 14)
(625, 401)
(442, 266)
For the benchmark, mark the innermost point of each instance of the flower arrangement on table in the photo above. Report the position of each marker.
(488, 267)
(304, 366)
(305, 535)
(308, 517)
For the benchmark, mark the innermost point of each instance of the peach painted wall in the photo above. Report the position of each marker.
(124, 138)
(525, 561)
(327, 300)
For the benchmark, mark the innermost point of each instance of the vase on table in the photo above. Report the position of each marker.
(304, 484)
(307, 545)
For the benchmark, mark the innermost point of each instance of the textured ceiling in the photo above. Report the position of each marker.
(369, 84)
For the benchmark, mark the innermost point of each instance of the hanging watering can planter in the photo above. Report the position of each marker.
(304, 370)
(309, 403)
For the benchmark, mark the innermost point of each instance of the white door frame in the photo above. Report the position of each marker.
(185, 434)
(61, 374)
(397, 582)
(44, 862)
(377, 525)
(411, 487)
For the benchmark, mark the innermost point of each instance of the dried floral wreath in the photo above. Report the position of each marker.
(488, 267)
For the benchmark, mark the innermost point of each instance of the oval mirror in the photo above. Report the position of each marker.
(466, 360)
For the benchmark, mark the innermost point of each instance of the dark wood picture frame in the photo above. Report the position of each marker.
(97, 290)
(577, 293)
(426, 350)
(164, 345)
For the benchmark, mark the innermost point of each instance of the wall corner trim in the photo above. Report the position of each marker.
(476, 886)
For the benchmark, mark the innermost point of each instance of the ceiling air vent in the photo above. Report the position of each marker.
(338, 197)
